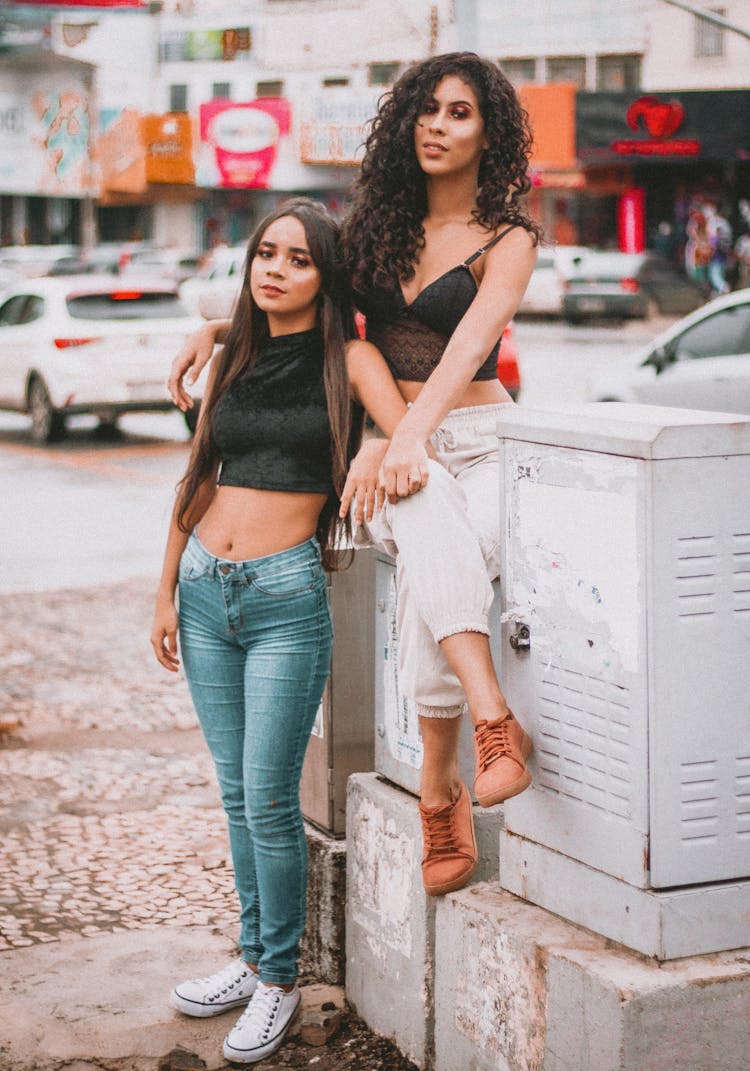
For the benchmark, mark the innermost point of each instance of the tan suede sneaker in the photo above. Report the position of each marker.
(450, 848)
(502, 748)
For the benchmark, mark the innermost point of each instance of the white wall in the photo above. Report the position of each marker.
(670, 61)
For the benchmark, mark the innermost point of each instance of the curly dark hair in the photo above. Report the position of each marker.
(383, 232)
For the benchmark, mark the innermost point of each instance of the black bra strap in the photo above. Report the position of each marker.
(492, 241)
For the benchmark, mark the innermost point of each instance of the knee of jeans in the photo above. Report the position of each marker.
(233, 802)
(268, 814)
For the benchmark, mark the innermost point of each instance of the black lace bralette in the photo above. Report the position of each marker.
(412, 336)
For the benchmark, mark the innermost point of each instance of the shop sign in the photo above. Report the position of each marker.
(694, 124)
(240, 142)
(44, 134)
(227, 44)
(335, 126)
(168, 142)
(119, 152)
(660, 119)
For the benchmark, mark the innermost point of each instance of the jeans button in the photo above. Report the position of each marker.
(224, 569)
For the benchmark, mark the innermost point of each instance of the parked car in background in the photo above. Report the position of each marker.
(544, 294)
(221, 271)
(175, 265)
(88, 344)
(700, 362)
(33, 261)
(508, 370)
(623, 285)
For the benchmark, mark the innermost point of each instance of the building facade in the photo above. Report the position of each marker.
(200, 117)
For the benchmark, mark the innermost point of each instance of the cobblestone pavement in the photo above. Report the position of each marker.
(110, 819)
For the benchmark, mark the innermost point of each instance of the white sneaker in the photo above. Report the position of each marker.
(230, 987)
(261, 1027)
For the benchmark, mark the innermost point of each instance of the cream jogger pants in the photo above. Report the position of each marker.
(446, 540)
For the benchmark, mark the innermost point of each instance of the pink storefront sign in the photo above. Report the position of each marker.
(240, 142)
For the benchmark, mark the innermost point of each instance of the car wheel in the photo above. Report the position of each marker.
(47, 423)
(191, 417)
(108, 429)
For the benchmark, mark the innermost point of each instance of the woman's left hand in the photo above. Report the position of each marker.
(361, 485)
(404, 470)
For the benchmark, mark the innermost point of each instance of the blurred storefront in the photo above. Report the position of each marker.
(249, 157)
(146, 176)
(46, 177)
(555, 174)
(647, 158)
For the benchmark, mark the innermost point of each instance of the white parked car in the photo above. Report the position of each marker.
(700, 362)
(223, 269)
(544, 294)
(88, 344)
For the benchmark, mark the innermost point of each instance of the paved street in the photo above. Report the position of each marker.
(113, 859)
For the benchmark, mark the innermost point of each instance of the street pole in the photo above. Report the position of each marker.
(710, 16)
(467, 35)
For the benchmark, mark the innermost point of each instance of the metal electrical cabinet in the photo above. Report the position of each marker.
(341, 742)
(627, 559)
(398, 745)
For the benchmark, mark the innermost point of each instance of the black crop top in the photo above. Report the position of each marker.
(271, 425)
(412, 338)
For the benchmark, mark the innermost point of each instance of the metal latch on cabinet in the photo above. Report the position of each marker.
(520, 640)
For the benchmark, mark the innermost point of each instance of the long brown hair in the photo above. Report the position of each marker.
(245, 337)
(383, 233)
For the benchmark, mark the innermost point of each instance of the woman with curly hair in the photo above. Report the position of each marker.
(440, 251)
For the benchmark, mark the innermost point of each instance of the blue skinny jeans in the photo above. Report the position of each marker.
(256, 642)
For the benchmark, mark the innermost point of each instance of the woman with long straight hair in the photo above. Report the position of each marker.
(439, 249)
(253, 527)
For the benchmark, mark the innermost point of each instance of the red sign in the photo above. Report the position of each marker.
(661, 118)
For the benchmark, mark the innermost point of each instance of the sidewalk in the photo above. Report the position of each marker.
(114, 874)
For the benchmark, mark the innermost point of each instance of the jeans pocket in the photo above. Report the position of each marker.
(192, 568)
(285, 581)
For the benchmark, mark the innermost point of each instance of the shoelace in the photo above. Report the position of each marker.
(260, 1014)
(493, 742)
(439, 832)
(225, 979)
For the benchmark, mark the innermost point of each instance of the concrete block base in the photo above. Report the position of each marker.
(667, 924)
(323, 951)
(518, 989)
(390, 922)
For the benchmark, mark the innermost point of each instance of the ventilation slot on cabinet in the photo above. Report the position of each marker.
(699, 802)
(741, 573)
(742, 796)
(583, 744)
(695, 577)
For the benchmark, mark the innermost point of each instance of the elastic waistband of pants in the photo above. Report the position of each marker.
(308, 549)
(475, 416)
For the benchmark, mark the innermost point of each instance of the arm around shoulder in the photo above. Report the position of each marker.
(373, 385)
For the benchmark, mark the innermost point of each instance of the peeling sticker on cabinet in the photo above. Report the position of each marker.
(574, 573)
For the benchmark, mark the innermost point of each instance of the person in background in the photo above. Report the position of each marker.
(254, 524)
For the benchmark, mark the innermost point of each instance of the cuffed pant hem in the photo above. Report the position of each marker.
(461, 626)
(440, 712)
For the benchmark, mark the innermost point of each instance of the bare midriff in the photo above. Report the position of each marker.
(480, 392)
(244, 522)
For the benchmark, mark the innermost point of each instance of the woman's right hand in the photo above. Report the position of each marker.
(191, 359)
(361, 485)
(164, 634)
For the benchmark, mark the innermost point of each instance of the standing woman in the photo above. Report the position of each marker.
(252, 528)
(440, 251)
